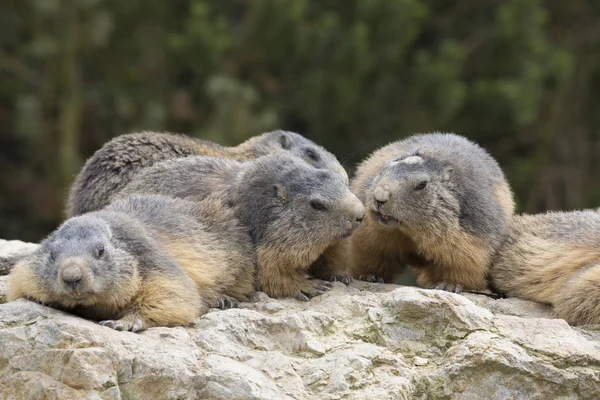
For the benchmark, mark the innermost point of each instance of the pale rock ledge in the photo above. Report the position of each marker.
(366, 341)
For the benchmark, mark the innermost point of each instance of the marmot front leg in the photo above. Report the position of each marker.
(161, 301)
(426, 278)
(375, 258)
(333, 264)
(130, 322)
(470, 277)
(372, 265)
(277, 276)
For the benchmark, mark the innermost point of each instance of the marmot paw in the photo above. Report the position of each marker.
(448, 287)
(315, 288)
(345, 279)
(124, 325)
(227, 302)
(371, 278)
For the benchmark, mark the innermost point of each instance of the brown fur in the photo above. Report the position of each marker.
(164, 262)
(553, 258)
(24, 284)
(282, 272)
(374, 251)
(162, 302)
(205, 269)
(292, 210)
(333, 264)
(440, 250)
(463, 256)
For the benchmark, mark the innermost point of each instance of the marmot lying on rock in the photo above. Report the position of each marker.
(553, 258)
(292, 210)
(142, 261)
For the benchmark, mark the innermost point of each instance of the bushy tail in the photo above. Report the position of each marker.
(578, 301)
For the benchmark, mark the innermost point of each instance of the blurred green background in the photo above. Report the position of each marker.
(521, 77)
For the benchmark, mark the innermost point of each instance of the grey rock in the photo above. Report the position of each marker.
(365, 341)
(11, 251)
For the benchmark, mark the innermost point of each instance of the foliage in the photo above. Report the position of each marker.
(518, 76)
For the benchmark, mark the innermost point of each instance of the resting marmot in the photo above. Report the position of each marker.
(437, 202)
(142, 261)
(111, 167)
(553, 258)
(292, 210)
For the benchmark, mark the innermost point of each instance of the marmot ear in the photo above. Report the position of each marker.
(280, 193)
(285, 140)
(447, 174)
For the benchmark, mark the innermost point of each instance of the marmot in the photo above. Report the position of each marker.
(437, 202)
(292, 210)
(553, 258)
(142, 261)
(111, 167)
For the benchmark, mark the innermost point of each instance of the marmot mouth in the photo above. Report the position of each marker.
(75, 294)
(386, 220)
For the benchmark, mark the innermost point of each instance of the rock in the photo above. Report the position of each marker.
(365, 341)
(9, 248)
(11, 251)
(420, 361)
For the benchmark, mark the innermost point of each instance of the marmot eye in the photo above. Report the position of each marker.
(99, 252)
(421, 185)
(317, 205)
(310, 153)
(52, 255)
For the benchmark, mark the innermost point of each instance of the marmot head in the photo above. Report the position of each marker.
(307, 150)
(81, 264)
(284, 197)
(413, 191)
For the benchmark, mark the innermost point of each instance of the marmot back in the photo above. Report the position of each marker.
(143, 261)
(553, 258)
(292, 210)
(107, 171)
(437, 202)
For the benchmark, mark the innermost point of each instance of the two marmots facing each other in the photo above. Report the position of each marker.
(111, 167)
(437, 202)
(142, 261)
(292, 210)
(553, 258)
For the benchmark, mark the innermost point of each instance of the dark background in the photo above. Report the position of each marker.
(521, 77)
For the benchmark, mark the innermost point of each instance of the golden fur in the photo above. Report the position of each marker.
(164, 262)
(441, 251)
(205, 269)
(162, 302)
(544, 259)
(282, 272)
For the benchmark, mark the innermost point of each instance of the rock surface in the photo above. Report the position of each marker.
(11, 250)
(366, 341)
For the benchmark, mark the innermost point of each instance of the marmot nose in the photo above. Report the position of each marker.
(381, 195)
(71, 275)
(379, 203)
